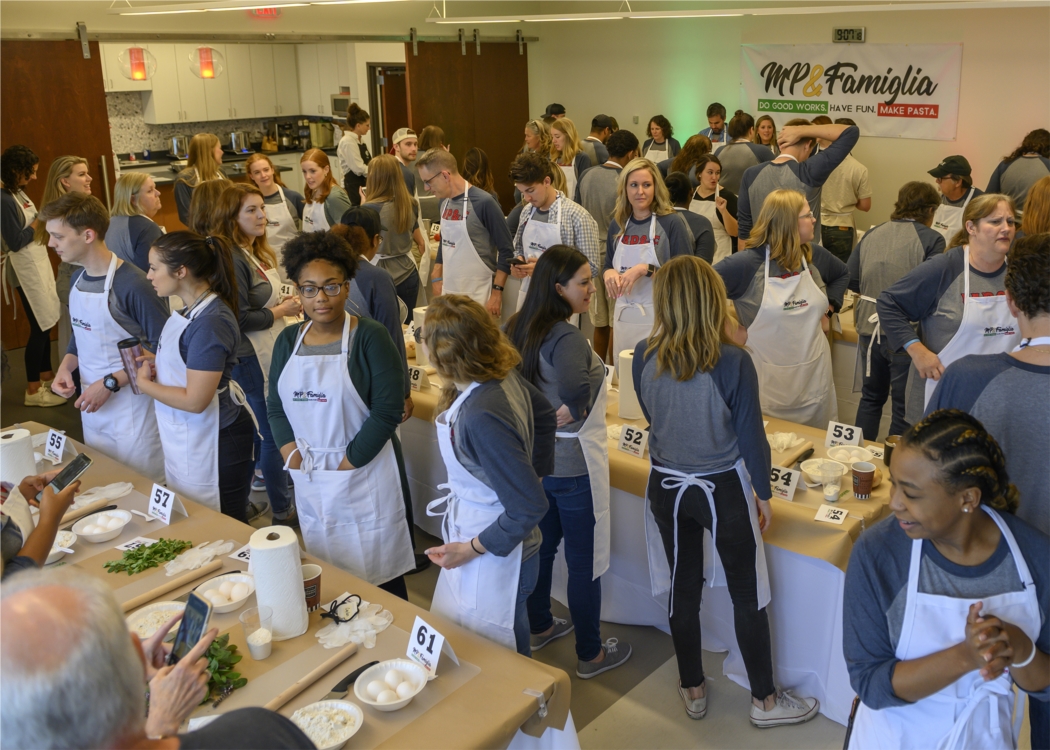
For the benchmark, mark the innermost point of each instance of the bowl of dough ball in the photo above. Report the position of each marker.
(227, 593)
(329, 724)
(62, 539)
(847, 454)
(101, 527)
(390, 685)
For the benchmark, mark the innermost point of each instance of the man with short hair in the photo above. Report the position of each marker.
(594, 144)
(953, 178)
(847, 190)
(109, 301)
(78, 677)
(716, 126)
(549, 219)
(476, 246)
(596, 192)
(406, 146)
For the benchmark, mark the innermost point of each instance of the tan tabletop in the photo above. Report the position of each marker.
(480, 704)
(793, 528)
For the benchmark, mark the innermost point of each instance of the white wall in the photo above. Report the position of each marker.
(364, 53)
(676, 67)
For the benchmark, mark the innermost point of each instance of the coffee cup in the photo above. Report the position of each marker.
(312, 586)
(863, 478)
(891, 442)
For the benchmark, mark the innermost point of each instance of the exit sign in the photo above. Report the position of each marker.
(852, 35)
(266, 12)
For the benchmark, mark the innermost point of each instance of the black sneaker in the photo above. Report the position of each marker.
(422, 563)
(256, 509)
(292, 519)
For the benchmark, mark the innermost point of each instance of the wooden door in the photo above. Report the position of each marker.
(395, 103)
(478, 100)
(53, 101)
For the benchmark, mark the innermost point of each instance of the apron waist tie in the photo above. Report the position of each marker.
(876, 335)
(986, 693)
(5, 283)
(682, 481)
(309, 456)
(237, 394)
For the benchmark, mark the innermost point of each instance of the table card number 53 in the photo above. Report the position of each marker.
(843, 434)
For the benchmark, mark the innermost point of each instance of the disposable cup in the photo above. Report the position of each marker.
(258, 631)
(863, 477)
(891, 442)
(312, 586)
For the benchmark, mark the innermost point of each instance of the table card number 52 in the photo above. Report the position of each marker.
(843, 434)
(633, 440)
(55, 446)
(784, 482)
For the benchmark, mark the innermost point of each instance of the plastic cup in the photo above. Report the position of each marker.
(891, 442)
(312, 586)
(831, 474)
(863, 478)
(258, 631)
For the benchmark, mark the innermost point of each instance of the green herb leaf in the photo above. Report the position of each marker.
(148, 556)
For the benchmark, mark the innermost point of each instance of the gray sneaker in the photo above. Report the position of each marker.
(561, 628)
(789, 709)
(614, 657)
(254, 510)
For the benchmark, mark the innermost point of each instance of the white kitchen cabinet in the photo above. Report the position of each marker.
(191, 87)
(264, 86)
(239, 66)
(217, 90)
(112, 77)
(293, 179)
(163, 104)
(286, 79)
(328, 76)
(309, 81)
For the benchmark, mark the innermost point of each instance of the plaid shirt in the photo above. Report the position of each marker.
(578, 230)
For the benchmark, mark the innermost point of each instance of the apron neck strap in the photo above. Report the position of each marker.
(344, 348)
(458, 403)
(113, 263)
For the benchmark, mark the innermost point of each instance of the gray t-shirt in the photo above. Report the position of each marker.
(253, 292)
(397, 246)
(596, 191)
(486, 227)
(133, 303)
(293, 201)
(324, 350)
(736, 157)
(1016, 177)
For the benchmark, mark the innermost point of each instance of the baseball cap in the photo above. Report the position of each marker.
(554, 109)
(600, 122)
(956, 165)
(366, 218)
(402, 133)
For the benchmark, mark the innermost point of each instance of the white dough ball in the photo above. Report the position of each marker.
(239, 591)
(375, 687)
(393, 679)
(387, 696)
(226, 587)
(405, 690)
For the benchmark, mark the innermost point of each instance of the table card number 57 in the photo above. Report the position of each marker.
(633, 440)
(843, 434)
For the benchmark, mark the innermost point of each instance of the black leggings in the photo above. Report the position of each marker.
(38, 348)
(236, 466)
(736, 548)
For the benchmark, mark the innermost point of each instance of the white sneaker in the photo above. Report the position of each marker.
(43, 397)
(788, 709)
(696, 708)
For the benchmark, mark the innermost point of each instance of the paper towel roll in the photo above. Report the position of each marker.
(418, 314)
(279, 580)
(16, 456)
(629, 407)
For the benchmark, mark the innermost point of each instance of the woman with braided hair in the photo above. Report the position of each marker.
(945, 603)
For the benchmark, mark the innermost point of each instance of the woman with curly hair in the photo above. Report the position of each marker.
(943, 602)
(1025, 166)
(660, 145)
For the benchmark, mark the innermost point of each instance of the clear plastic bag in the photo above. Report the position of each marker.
(782, 441)
(195, 557)
(113, 491)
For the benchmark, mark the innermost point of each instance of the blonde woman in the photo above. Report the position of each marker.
(567, 154)
(203, 164)
(699, 392)
(537, 137)
(284, 206)
(784, 288)
(504, 442)
(132, 231)
(766, 133)
(1036, 217)
(958, 299)
(388, 196)
(202, 207)
(326, 201)
(645, 233)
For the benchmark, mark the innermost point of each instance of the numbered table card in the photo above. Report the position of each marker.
(139, 541)
(610, 370)
(287, 290)
(417, 378)
(877, 451)
(244, 554)
(425, 646)
(830, 514)
(54, 447)
(784, 482)
(633, 440)
(843, 434)
(162, 502)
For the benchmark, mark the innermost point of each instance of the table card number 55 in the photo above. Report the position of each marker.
(784, 482)
(55, 446)
(633, 440)
(843, 434)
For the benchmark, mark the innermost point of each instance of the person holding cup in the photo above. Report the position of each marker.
(109, 301)
(944, 602)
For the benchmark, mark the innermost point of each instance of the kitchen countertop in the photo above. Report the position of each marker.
(162, 174)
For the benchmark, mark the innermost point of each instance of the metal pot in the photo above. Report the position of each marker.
(179, 146)
(240, 142)
(288, 141)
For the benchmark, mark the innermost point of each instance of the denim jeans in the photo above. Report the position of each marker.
(530, 569)
(839, 242)
(571, 515)
(1039, 719)
(249, 376)
(408, 291)
(236, 465)
(888, 379)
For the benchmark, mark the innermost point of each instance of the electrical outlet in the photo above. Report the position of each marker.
(635, 118)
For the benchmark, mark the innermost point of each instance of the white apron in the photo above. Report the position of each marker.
(863, 367)
(970, 713)
(633, 314)
(536, 237)
(482, 594)
(570, 178)
(594, 441)
(314, 219)
(464, 271)
(263, 341)
(987, 327)
(791, 352)
(664, 153)
(35, 273)
(723, 242)
(662, 579)
(280, 228)
(125, 428)
(191, 441)
(948, 220)
(353, 519)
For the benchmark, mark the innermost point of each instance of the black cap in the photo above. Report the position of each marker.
(601, 122)
(554, 109)
(366, 218)
(956, 165)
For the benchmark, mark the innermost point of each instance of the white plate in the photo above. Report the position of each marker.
(172, 608)
(105, 536)
(214, 583)
(347, 706)
(409, 668)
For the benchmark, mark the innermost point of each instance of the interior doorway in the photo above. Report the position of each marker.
(387, 103)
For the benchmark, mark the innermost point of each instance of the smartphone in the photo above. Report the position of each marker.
(192, 626)
(516, 261)
(68, 475)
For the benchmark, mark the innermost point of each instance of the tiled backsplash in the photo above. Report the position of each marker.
(129, 132)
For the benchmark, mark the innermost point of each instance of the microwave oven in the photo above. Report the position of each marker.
(340, 105)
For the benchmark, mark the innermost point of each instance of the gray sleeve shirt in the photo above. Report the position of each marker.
(133, 303)
(486, 227)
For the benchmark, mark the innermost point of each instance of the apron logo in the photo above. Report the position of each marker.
(634, 239)
(81, 323)
(451, 214)
(272, 223)
(795, 304)
(320, 398)
(999, 331)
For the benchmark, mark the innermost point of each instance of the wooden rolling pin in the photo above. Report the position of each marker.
(313, 676)
(75, 514)
(174, 583)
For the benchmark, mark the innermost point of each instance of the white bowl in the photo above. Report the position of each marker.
(105, 536)
(811, 466)
(214, 583)
(409, 668)
(847, 454)
(57, 554)
(136, 618)
(350, 708)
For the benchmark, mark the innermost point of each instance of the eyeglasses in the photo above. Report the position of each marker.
(330, 290)
(808, 215)
(427, 182)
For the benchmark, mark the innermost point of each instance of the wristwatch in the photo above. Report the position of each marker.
(110, 381)
(650, 270)
(497, 287)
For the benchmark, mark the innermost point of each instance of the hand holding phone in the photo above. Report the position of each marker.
(194, 623)
(68, 475)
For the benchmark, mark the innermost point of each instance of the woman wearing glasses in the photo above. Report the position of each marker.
(336, 397)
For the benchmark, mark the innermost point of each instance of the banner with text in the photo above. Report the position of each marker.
(889, 90)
